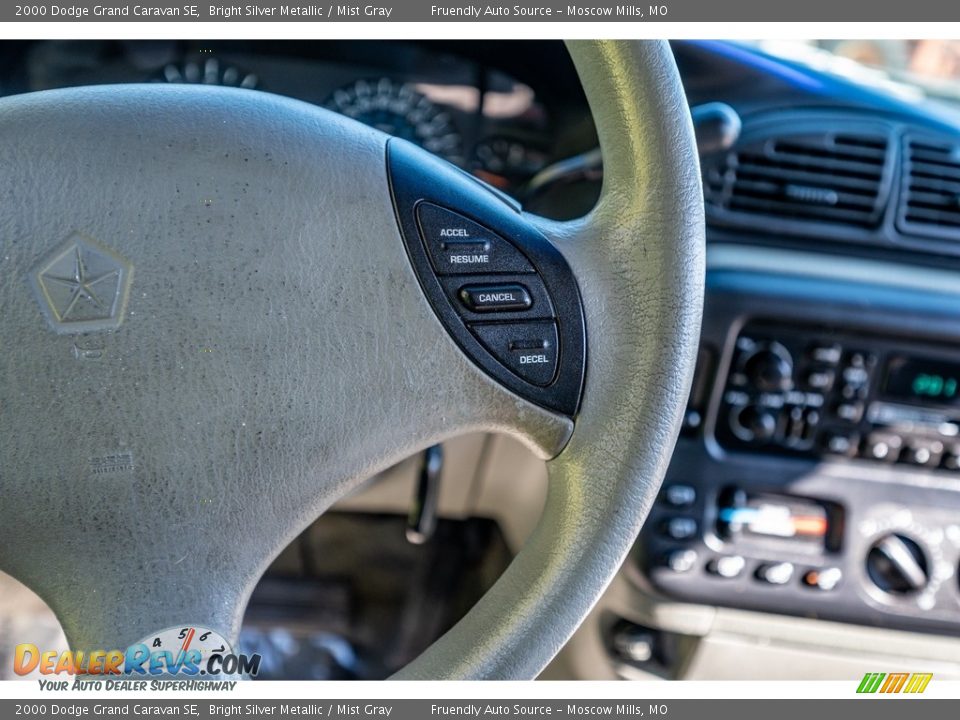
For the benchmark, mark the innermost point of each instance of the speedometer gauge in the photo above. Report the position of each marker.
(398, 109)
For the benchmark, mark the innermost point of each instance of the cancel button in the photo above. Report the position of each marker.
(495, 298)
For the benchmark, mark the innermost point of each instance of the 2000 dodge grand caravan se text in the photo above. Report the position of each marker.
(482, 360)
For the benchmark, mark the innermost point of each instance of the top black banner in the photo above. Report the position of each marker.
(429, 10)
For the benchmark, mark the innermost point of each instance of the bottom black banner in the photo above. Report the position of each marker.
(880, 709)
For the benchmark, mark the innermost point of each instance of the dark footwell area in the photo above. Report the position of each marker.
(352, 599)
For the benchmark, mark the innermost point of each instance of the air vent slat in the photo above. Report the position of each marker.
(776, 192)
(935, 200)
(930, 189)
(825, 159)
(933, 172)
(829, 177)
(932, 214)
(840, 214)
(819, 165)
(942, 159)
(934, 185)
(865, 187)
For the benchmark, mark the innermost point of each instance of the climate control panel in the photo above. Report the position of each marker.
(819, 546)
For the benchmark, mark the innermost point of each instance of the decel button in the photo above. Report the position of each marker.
(528, 349)
(459, 246)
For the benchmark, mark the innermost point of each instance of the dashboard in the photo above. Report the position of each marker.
(818, 472)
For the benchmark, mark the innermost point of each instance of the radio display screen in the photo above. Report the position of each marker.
(922, 380)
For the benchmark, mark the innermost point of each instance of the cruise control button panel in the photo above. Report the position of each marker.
(504, 293)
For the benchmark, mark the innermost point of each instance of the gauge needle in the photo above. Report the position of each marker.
(187, 640)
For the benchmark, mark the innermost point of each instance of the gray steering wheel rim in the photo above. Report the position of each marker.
(117, 166)
(639, 259)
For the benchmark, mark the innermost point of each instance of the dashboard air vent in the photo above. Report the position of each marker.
(930, 189)
(829, 177)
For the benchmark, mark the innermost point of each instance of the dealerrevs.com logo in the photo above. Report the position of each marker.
(192, 652)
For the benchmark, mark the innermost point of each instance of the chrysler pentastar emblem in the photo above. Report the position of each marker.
(82, 286)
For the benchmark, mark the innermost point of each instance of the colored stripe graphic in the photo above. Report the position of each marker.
(870, 682)
(893, 683)
(918, 682)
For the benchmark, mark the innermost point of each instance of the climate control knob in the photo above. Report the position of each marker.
(897, 565)
(770, 367)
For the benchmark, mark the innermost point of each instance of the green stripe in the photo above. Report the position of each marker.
(871, 682)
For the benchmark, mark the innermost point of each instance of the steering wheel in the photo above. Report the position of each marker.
(212, 329)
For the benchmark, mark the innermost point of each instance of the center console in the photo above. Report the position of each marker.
(819, 470)
(824, 393)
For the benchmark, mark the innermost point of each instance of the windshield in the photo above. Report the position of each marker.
(928, 68)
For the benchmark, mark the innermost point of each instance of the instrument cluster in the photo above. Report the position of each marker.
(460, 108)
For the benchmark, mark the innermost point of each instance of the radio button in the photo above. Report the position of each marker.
(861, 359)
(839, 443)
(855, 376)
(820, 379)
(850, 412)
(680, 496)
(827, 353)
(854, 392)
(680, 528)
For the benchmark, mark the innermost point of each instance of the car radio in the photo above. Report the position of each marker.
(794, 391)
